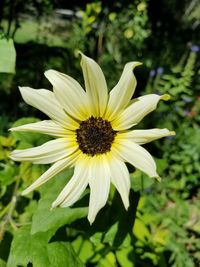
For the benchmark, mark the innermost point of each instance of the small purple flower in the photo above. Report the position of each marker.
(187, 99)
(195, 48)
(186, 113)
(160, 70)
(152, 73)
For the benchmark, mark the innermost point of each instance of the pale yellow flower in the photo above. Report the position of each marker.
(93, 134)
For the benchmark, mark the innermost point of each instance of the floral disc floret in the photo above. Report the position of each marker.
(95, 136)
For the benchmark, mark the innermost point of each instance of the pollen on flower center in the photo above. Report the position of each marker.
(95, 136)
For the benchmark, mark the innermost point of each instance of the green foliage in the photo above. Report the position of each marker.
(37, 250)
(7, 56)
(179, 82)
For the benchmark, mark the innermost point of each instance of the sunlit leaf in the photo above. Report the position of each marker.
(35, 249)
(7, 175)
(141, 231)
(7, 56)
(125, 257)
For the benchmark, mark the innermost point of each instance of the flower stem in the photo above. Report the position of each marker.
(8, 211)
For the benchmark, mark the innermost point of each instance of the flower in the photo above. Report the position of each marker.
(152, 73)
(195, 48)
(93, 134)
(160, 70)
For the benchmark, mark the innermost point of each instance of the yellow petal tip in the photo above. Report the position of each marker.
(137, 64)
(158, 178)
(172, 133)
(165, 97)
(52, 208)
(80, 53)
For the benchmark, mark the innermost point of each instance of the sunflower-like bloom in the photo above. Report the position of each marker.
(92, 130)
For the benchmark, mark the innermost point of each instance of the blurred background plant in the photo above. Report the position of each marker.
(164, 35)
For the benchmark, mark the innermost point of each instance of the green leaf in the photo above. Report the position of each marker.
(2, 263)
(123, 257)
(5, 145)
(30, 172)
(7, 141)
(140, 181)
(110, 236)
(29, 210)
(141, 231)
(61, 254)
(7, 175)
(7, 56)
(35, 249)
(45, 218)
(84, 248)
(108, 260)
(26, 248)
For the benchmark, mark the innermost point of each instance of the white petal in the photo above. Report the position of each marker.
(51, 172)
(134, 113)
(95, 84)
(120, 179)
(99, 181)
(121, 94)
(137, 156)
(45, 127)
(47, 153)
(145, 136)
(69, 93)
(75, 187)
(45, 101)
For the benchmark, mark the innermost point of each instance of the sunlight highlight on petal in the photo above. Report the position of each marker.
(45, 101)
(68, 92)
(76, 185)
(121, 94)
(120, 179)
(45, 127)
(95, 84)
(136, 155)
(145, 136)
(134, 113)
(49, 152)
(99, 181)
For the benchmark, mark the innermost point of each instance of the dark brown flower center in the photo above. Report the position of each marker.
(95, 136)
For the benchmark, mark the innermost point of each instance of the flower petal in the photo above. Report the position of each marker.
(136, 155)
(120, 179)
(45, 101)
(134, 113)
(99, 181)
(49, 152)
(45, 127)
(121, 94)
(145, 136)
(69, 93)
(95, 84)
(76, 185)
(51, 172)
